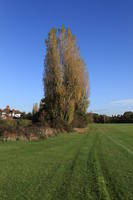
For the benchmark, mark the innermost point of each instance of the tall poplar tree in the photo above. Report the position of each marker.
(65, 77)
(52, 77)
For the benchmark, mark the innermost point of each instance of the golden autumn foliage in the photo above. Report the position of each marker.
(65, 77)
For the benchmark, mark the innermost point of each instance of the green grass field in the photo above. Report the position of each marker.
(97, 165)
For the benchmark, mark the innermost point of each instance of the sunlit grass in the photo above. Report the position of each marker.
(94, 165)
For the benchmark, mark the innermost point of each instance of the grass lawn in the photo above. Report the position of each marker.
(95, 165)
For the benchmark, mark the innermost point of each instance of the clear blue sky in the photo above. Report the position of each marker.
(104, 31)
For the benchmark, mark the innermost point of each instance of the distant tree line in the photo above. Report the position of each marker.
(127, 117)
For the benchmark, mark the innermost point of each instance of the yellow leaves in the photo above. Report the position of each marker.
(65, 79)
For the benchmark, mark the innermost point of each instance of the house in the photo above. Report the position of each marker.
(16, 113)
(7, 113)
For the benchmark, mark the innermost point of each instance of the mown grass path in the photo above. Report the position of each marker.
(96, 165)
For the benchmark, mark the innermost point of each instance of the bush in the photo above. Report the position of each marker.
(80, 120)
(23, 122)
(14, 124)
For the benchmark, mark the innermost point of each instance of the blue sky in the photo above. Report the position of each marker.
(104, 31)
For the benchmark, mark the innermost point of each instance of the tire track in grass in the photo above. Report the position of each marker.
(49, 182)
(88, 187)
(45, 183)
(117, 138)
(119, 144)
(112, 190)
(78, 189)
(96, 180)
(109, 181)
(52, 176)
(62, 189)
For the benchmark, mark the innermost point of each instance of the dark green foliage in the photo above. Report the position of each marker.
(81, 120)
(27, 116)
(127, 117)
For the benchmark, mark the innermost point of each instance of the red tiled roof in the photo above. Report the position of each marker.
(7, 111)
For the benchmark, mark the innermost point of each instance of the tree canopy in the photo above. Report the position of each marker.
(65, 78)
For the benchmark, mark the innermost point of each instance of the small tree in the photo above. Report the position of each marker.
(35, 109)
